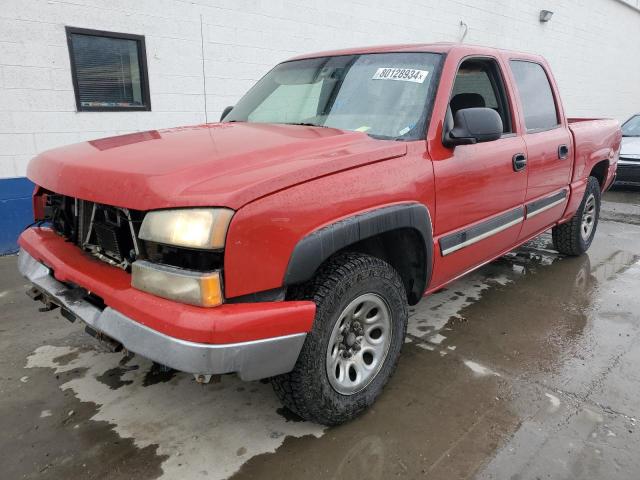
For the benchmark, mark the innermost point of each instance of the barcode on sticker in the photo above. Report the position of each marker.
(403, 74)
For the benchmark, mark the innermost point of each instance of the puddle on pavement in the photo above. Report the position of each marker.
(199, 429)
(59, 436)
(447, 416)
(466, 383)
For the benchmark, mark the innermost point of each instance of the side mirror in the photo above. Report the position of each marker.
(225, 112)
(474, 125)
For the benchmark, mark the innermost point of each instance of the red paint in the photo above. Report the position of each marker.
(544, 173)
(287, 181)
(225, 324)
(38, 203)
(226, 164)
(263, 234)
(594, 141)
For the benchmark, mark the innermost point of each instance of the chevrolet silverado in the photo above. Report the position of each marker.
(288, 240)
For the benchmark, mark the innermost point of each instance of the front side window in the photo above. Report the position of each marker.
(536, 96)
(109, 70)
(631, 128)
(479, 83)
(386, 95)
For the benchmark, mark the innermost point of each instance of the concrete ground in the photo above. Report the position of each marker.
(525, 369)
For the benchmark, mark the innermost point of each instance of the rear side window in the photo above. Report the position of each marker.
(536, 96)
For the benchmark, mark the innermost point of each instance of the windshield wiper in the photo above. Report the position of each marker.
(305, 124)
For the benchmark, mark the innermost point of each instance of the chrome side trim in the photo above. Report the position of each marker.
(545, 203)
(545, 208)
(482, 236)
(250, 360)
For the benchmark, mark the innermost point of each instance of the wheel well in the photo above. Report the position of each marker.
(404, 250)
(398, 234)
(599, 171)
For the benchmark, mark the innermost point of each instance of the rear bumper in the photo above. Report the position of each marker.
(249, 350)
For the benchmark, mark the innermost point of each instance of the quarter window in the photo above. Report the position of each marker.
(536, 96)
(109, 70)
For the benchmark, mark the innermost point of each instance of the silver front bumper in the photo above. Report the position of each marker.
(250, 360)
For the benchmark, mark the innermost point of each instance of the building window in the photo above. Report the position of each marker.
(109, 70)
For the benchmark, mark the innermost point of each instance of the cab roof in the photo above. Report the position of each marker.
(439, 47)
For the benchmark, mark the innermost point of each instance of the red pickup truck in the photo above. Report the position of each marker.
(288, 240)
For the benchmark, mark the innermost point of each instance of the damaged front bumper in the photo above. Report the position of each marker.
(251, 360)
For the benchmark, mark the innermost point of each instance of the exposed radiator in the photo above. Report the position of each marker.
(109, 233)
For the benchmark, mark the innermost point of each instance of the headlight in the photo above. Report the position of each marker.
(204, 228)
(203, 289)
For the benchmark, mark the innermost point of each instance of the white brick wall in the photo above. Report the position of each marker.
(592, 46)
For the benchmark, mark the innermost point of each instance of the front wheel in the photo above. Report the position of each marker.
(354, 345)
(575, 237)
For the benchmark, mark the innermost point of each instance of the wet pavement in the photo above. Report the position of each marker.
(524, 369)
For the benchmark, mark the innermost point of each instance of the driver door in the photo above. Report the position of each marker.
(479, 193)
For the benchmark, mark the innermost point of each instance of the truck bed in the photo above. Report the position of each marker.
(594, 140)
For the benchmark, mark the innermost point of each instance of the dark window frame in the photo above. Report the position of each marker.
(502, 94)
(555, 98)
(142, 62)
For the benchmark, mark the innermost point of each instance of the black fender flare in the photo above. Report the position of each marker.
(312, 250)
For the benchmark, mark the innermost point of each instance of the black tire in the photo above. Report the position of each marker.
(307, 390)
(568, 237)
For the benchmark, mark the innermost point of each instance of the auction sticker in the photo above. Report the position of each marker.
(402, 74)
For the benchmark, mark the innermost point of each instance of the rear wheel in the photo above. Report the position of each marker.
(354, 345)
(575, 236)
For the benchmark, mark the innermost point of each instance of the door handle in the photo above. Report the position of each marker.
(519, 162)
(563, 152)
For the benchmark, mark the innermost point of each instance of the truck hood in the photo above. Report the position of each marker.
(630, 146)
(220, 164)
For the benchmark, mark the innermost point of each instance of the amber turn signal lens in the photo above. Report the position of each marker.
(203, 289)
(211, 290)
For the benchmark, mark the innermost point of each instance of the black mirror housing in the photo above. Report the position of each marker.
(225, 112)
(474, 125)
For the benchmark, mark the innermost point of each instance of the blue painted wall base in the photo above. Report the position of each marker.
(16, 211)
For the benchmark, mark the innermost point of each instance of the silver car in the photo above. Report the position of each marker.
(629, 163)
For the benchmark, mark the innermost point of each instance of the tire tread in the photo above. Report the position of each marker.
(566, 236)
(333, 279)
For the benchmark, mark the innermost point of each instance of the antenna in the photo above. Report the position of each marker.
(466, 30)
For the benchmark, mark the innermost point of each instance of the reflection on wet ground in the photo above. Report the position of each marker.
(498, 366)
(526, 368)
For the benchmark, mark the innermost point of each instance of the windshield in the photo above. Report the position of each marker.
(631, 128)
(386, 95)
